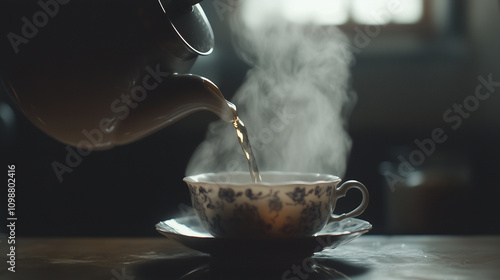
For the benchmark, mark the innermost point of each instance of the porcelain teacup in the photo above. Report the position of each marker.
(283, 205)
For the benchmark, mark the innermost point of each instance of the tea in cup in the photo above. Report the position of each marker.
(283, 205)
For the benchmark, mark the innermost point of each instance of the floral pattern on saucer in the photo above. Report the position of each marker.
(189, 232)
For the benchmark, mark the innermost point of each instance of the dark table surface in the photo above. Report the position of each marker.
(367, 257)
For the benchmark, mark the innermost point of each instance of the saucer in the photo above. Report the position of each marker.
(189, 232)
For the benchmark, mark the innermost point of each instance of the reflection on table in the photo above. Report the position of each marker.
(368, 257)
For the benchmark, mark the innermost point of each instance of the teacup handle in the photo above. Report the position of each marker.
(342, 191)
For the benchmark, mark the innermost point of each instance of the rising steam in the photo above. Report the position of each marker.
(294, 101)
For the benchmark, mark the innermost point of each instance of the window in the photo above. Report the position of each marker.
(364, 12)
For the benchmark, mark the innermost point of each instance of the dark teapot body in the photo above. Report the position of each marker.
(82, 37)
(74, 66)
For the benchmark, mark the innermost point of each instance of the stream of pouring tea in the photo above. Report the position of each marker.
(244, 140)
(242, 134)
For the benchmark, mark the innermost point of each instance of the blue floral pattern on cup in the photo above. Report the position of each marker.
(246, 218)
(267, 210)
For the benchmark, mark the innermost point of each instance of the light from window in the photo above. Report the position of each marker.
(370, 12)
(338, 12)
(326, 12)
(411, 12)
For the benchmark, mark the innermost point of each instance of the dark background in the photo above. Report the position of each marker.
(405, 78)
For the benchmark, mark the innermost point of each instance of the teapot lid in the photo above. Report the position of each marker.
(190, 23)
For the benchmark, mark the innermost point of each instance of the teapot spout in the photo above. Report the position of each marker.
(220, 106)
(178, 96)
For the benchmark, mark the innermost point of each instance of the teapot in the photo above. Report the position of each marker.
(96, 74)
